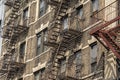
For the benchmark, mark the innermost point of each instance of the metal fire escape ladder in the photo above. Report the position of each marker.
(65, 37)
(55, 32)
(11, 32)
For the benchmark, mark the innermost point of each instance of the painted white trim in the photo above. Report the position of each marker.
(91, 74)
(85, 47)
(27, 75)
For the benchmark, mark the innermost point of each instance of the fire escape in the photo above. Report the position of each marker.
(60, 40)
(108, 33)
(9, 66)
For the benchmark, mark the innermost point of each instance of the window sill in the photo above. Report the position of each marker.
(92, 74)
(43, 15)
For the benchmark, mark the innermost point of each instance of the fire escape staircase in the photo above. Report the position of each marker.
(109, 36)
(65, 37)
(11, 33)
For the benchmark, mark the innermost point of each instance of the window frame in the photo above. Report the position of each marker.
(41, 47)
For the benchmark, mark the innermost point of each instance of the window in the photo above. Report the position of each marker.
(80, 12)
(45, 39)
(93, 66)
(41, 38)
(25, 17)
(42, 7)
(94, 5)
(93, 55)
(65, 23)
(38, 44)
(78, 63)
(39, 75)
(25, 14)
(22, 49)
(62, 65)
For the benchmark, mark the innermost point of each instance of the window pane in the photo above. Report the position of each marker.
(65, 23)
(38, 44)
(45, 39)
(93, 52)
(93, 55)
(42, 73)
(80, 12)
(63, 65)
(22, 49)
(78, 58)
(37, 75)
(95, 5)
(93, 67)
(25, 13)
(42, 8)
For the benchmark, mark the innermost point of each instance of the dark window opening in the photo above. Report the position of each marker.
(22, 50)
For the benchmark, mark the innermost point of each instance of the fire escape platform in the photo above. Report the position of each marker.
(68, 35)
(108, 36)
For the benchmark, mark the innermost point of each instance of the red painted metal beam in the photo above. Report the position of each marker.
(110, 45)
(98, 38)
(104, 25)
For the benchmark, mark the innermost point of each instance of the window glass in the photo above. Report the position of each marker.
(95, 5)
(63, 65)
(65, 23)
(39, 75)
(93, 55)
(25, 13)
(22, 49)
(45, 39)
(80, 13)
(42, 8)
(38, 44)
(93, 52)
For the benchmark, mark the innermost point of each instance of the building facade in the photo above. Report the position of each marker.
(50, 40)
